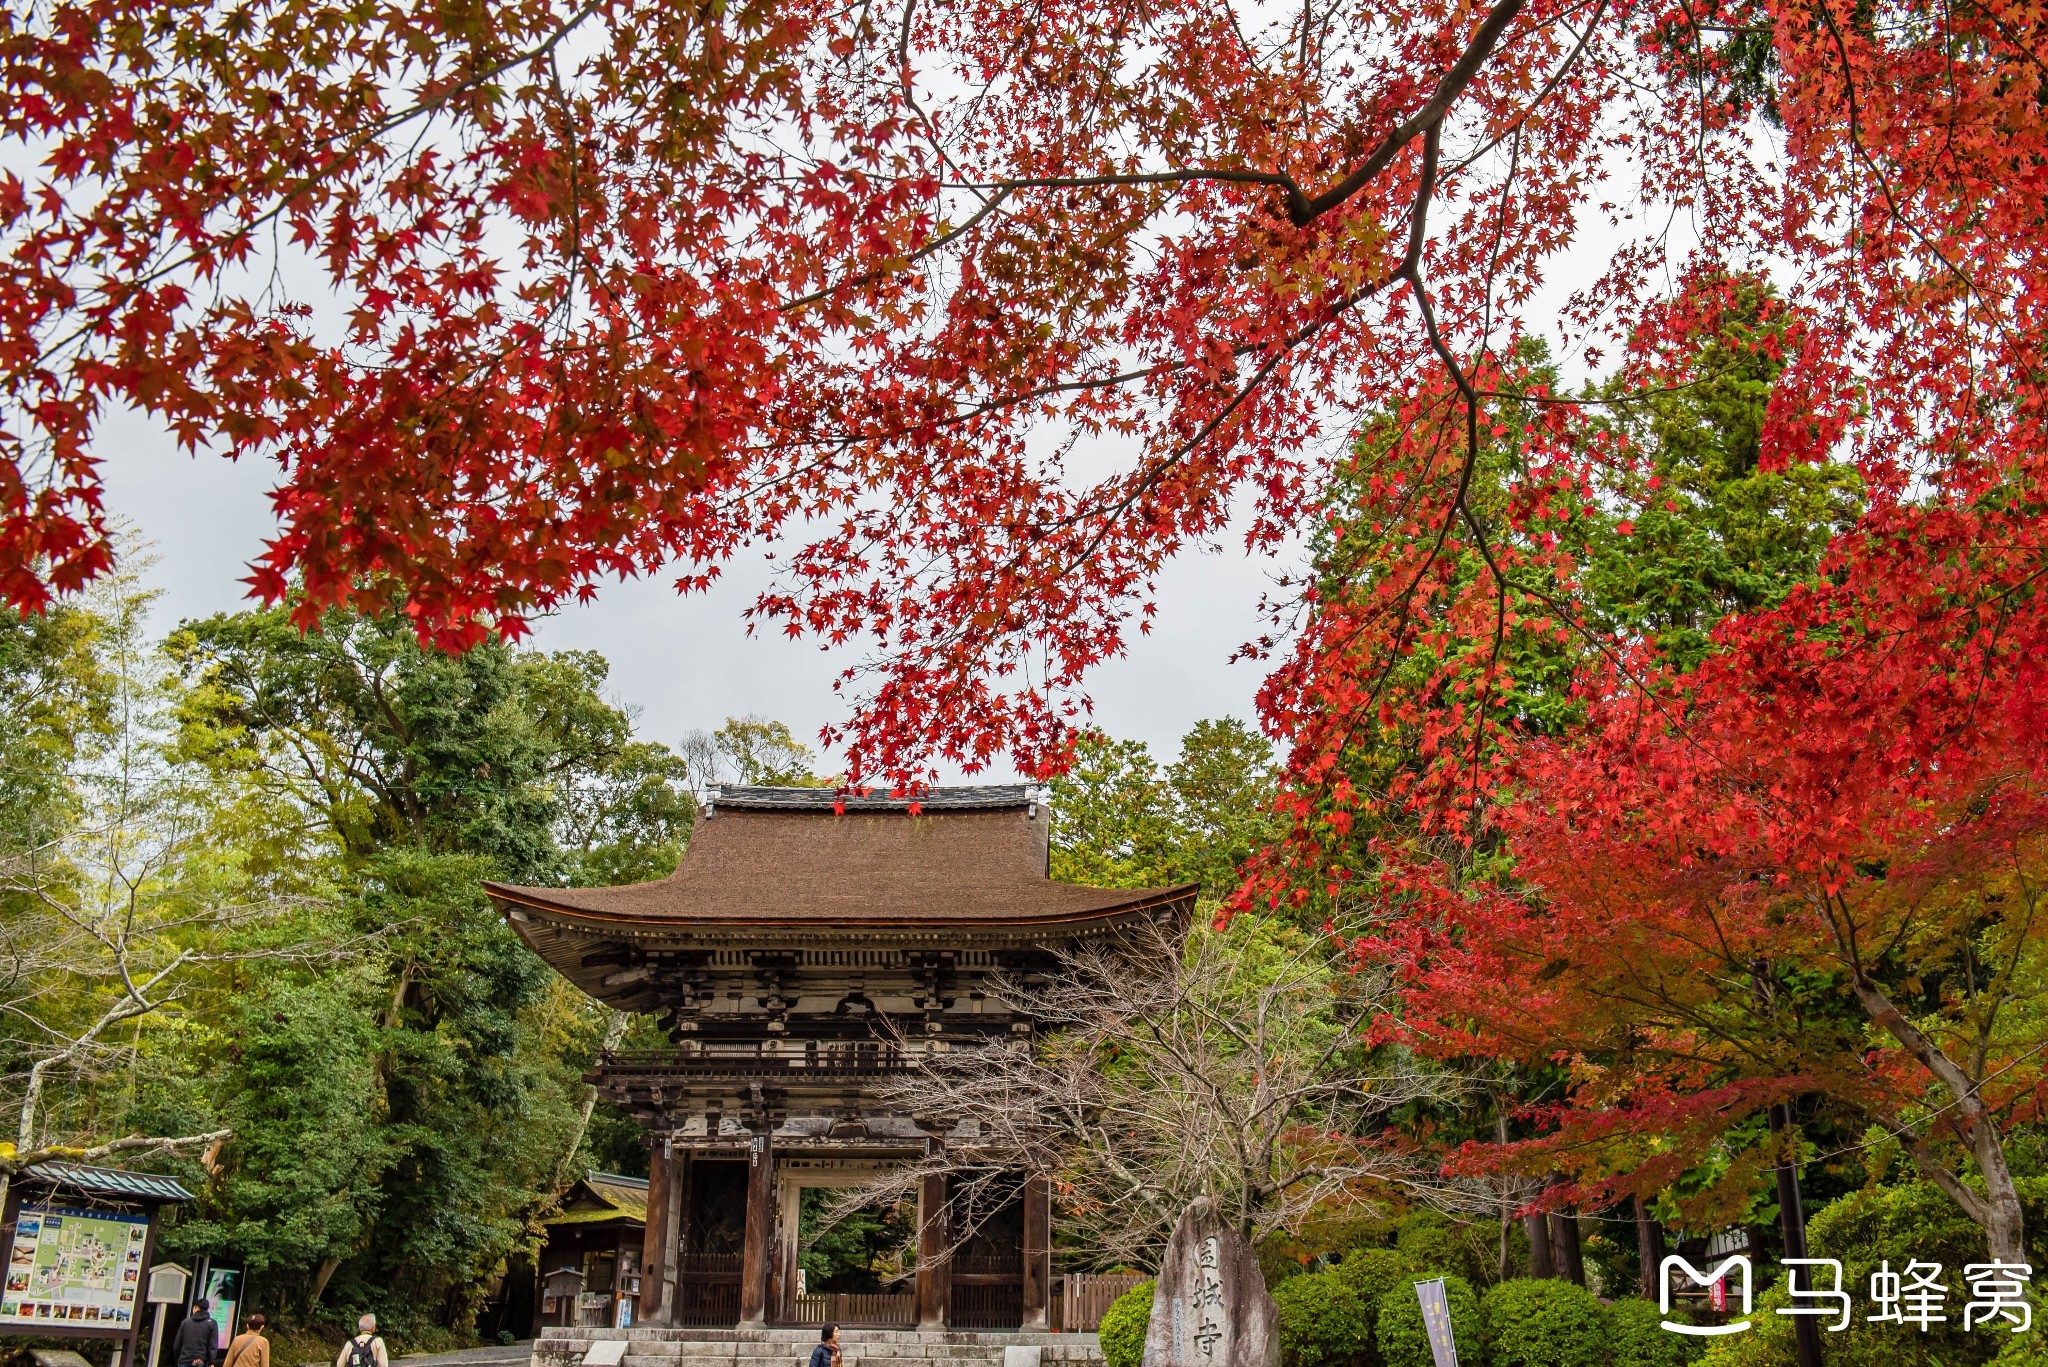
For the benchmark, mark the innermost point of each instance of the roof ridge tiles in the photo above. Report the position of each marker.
(954, 797)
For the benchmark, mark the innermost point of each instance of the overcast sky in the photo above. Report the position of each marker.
(689, 663)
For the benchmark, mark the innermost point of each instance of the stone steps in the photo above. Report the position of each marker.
(664, 1347)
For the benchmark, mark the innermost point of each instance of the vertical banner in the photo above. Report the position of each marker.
(1436, 1319)
(223, 1295)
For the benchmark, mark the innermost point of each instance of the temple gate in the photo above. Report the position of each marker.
(808, 948)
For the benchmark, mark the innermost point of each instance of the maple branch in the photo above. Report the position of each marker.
(1897, 214)
(1303, 208)
(940, 243)
(363, 137)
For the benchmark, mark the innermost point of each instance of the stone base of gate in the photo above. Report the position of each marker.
(655, 1346)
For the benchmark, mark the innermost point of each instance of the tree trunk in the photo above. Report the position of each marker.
(321, 1276)
(1540, 1264)
(614, 1031)
(1792, 1230)
(1650, 1254)
(1564, 1240)
(1998, 1209)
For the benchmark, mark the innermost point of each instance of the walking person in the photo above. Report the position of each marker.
(250, 1348)
(826, 1354)
(365, 1349)
(193, 1344)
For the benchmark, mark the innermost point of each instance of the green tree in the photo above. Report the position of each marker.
(426, 774)
(757, 752)
(1121, 821)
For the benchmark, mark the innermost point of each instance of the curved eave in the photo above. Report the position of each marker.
(563, 936)
(507, 895)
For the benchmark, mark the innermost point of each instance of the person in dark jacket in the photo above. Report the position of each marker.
(193, 1344)
(826, 1354)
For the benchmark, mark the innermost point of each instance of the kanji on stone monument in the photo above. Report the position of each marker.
(1210, 1308)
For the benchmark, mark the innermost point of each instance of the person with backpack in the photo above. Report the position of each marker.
(365, 1349)
(250, 1348)
(193, 1344)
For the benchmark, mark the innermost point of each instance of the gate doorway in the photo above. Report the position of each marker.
(714, 1230)
(855, 1267)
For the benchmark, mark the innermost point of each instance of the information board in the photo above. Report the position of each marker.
(81, 1267)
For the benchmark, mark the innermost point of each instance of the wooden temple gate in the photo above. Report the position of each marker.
(809, 948)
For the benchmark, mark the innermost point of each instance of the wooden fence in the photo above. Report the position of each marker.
(870, 1308)
(1080, 1299)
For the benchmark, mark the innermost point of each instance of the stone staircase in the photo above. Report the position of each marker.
(661, 1347)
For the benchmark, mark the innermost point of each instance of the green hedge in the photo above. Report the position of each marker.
(1542, 1323)
(1372, 1273)
(1636, 1337)
(1403, 1342)
(1123, 1327)
(1324, 1322)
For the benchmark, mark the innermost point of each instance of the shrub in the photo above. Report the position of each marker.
(2024, 1350)
(1542, 1323)
(1431, 1243)
(1401, 1338)
(1123, 1327)
(1323, 1321)
(1372, 1273)
(1636, 1337)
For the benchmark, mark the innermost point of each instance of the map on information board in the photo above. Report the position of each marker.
(80, 1268)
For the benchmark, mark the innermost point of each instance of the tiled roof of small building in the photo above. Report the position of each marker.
(622, 1198)
(118, 1183)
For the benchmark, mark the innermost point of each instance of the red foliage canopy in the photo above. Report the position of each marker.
(999, 305)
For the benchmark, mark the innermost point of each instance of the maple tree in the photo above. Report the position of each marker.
(993, 308)
(1750, 845)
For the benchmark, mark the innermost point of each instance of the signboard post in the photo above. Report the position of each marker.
(1436, 1320)
(167, 1284)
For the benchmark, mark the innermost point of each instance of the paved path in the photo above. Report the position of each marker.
(490, 1355)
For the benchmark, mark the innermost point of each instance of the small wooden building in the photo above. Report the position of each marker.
(591, 1260)
(810, 946)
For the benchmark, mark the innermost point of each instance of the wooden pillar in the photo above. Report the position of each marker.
(934, 1259)
(756, 1252)
(657, 1252)
(789, 1203)
(1037, 1254)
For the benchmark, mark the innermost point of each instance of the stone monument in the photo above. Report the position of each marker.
(1210, 1308)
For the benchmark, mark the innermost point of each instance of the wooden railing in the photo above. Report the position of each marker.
(990, 1305)
(827, 1061)
(1001, 1265)
(1080, 1299)
(708, 1305)
(869, 1308)
(709, 1264)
